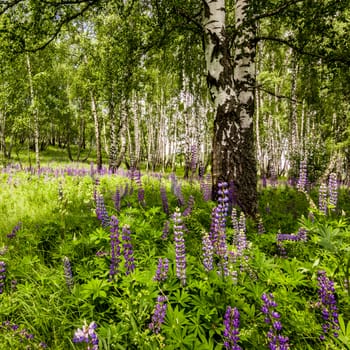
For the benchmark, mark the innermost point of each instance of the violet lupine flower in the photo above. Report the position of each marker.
(201, 170)
(179, 247)
(158, 314)
(87, 335)
(242, 223)
(128, 250)
(221, 251)
(68, 273)
(214, 226)
(235, 221)
(231, 331)
(162, 270)
(276, 340)
(322, 199)
(302, 182)
(302, 234)
(189, 208)
(141, 195)
(261, 228)
(333, 190)
(117, 199)
(115, 247)
(2, 275)
(207, 192)
(14, 231)
(163, 196)
(178, 194)
(223, 203)
(101, 211)
(208, 252)
(328, 304)
(165, 230)
(13, 284)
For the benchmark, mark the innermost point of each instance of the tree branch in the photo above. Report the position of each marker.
(340, 59)
(59, 27)
(276, 11)
(8, 5)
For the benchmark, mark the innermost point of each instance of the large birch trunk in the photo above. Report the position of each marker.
(233, 157)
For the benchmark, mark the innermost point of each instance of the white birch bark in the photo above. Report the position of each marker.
(35, 112)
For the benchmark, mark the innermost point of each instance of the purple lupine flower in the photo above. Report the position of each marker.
(115, 247)
(207, 192)
(87, 335)
(141, 195)
(164, 197)
(208, 252)
(189, 208)
(302, 234)
(231, 331)
(235, 221)
(221, 251)
(13, 284)
(333, 190)
(214, 226)
(276, 340)
(328, 304)
(165, 230)
(201, 170)
(223, 204)
(128, 250)
(14, 231)
(158, 314)
(242, 223)
(117, 199)
(101, 211)
(178, 194)
(68, 273)
(2, 276)
(302, 182)
(179, 247)
(322, 199)
(261, 228)
(162, 270)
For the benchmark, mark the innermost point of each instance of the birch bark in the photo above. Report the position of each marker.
(232, 91)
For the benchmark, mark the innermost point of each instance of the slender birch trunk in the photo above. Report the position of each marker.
(3, 133)
(97, 131)
(113, 138)
(35, 111)
(232, 91)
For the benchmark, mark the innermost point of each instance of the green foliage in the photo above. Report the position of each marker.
(58, 219)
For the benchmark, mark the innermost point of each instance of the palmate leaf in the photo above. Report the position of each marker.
(94, 289)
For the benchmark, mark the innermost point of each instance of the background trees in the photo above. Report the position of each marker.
(252, 87)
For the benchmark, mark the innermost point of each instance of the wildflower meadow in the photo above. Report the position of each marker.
(141, 260)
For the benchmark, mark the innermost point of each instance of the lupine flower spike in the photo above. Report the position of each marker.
(128, 250)
(87, 335)
(158, 314)
(115, 247)
(68, 273)
(231, 331)
(276, 340)
(179, 247)
(328, 305)
(2, 276)
(162, 270)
